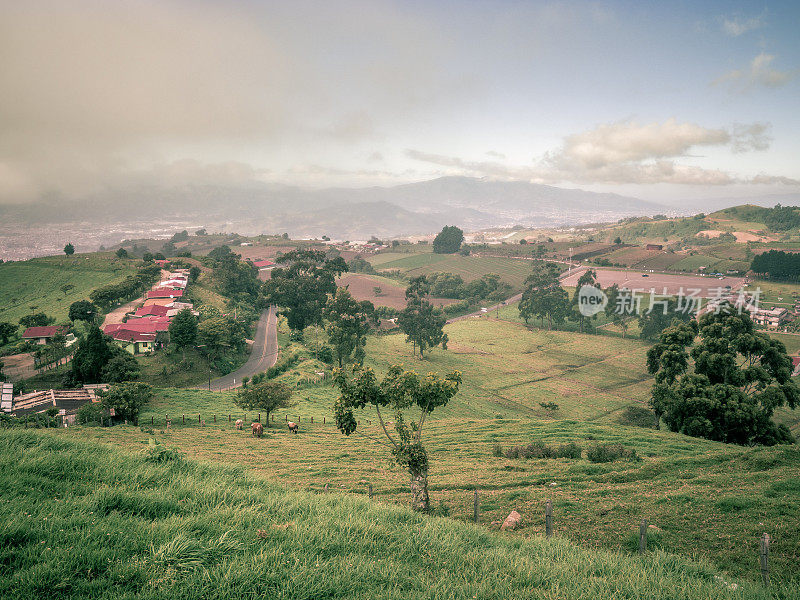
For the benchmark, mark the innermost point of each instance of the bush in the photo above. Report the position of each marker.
(540, 450)
(282, 366)
(551, 406)
(89, 413)
(325, 354)
(296, 336)
(637, 416)
(156, 453)
(603, 453)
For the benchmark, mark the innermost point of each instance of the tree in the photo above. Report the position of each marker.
(613, 312)
(36, 320)
(122, 253)
(419, 320)
(265, 396)
(194, 273)
(301, 288)
(347, 325)
(617, 240)
(66, 288)
(127, 399)
(660, 316)
(543, 296)
(740, 376)
(448, 240)
(69, 249)
(183, 330)
(6, 331)
(589, 277)
(147, 257)
(92, 355)
(169, 249)
(201, 232)
(399, 390)
(121, 367)
(377, 291)
(82, 310)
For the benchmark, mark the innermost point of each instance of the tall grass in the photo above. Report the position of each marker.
(80, 520)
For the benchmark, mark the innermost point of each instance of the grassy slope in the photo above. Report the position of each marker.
(82, 520)
(38, 282)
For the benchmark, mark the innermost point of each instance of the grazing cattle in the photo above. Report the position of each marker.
(239, 423)
(292, 426)
(258, 429)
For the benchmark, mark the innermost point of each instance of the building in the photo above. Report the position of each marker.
(164, 292)
(654, 247)
(134, 341)
(43, 335)
(6, 397)
(773, 317)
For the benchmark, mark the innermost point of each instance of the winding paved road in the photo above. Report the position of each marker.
(263, 355)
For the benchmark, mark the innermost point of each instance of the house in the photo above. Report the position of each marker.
(154, 310)
(162, 263)
(66, 401)
(43, 335)
(6, 397)
(134, 341)
(773, 317)
(654, 247)
(162, 292)
(263, 264)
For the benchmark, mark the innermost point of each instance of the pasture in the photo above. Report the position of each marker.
(635, 280)
(86, 520)
(35, 285)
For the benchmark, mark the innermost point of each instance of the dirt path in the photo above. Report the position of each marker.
(18, 366)
(116, 315)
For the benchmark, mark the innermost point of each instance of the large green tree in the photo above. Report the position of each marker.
(347, 325)
(93, 353)
(589, 277)
(82, 310)
(543, 297)
(739, 377)
(69, 249)
(6, 331)
(422, 323)
(266, 396)
(301, 288)
(397, 392)
(448, 240)
(127, 399)
(659, 316)
(36, 320)
(183, 330)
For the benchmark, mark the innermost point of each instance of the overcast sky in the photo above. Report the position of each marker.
(662, 100)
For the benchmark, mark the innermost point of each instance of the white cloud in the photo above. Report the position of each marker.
(758, 73)
(626, 152)
(737, 25)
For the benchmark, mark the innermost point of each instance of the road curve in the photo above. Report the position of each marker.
(263, 355)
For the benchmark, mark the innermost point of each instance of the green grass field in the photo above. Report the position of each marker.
(86, 520)
(34, 285)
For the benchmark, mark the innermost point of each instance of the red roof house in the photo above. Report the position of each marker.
(153, 310)
(42, 335)
(164, 293)
(263, 264)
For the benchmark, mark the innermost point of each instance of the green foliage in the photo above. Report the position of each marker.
(347, 325)
(265, 396)
(448, 240)
(589, 277)
(127, 399)
(183, 330)
(91, 413)
(359, 265)
(120, 367)
(69, 249)
(657, 318)
(132, 286)
(540, 450)
(279, 368)
(637, 416)
(777, 264)
(93, 353)
(603, 453)
(83, 310)
(7, 330)
(36, 320)
(301, 289)
(543, 296)
(159, 454)
(122, 253)
(740, 377)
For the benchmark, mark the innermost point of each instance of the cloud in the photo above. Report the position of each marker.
(737, 25)
(626, 152)
(758, 73)
(494, 154)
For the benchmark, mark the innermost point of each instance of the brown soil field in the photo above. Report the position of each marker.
(393, 296)
(634, 280)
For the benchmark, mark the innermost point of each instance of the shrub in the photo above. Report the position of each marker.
(282, 366)
(551, 406)
(603, 453)
(91, 412)
(325, 354)
(637, 416)
(156, 453)
(540, 450)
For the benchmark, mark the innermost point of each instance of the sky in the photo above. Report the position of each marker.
(660, 100)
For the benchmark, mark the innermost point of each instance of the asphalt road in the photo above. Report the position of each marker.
(263, 355)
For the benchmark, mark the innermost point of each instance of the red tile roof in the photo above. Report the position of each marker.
(43, 332)
(156, 310)
(133, 336)
(144, 325)
(164, 293)
(263, 263)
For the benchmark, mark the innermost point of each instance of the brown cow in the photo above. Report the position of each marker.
(292, 426)
(258, 429)
(239, 423)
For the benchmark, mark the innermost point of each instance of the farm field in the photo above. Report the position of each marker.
(658, 281)
(35, 285)
(154, 525)
(362, 287)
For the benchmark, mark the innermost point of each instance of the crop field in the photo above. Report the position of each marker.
(512, 271)
(407, 262)
(661, 261)
(35, 285)
(362, 287)
(630, 256)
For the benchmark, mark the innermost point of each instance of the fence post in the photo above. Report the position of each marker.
(370, 491)
(643, 536)
(475, 509)
(323, 420)
(764, 556)
(548, 517)
(215, 419)
(152, 420)
(229, 418)
(312, 420)
(198, 419)
(259, 418)
(183, 419)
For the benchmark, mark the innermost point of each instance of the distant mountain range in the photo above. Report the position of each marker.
(352, 213)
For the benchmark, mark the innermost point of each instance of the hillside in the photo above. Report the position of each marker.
(84, 520)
